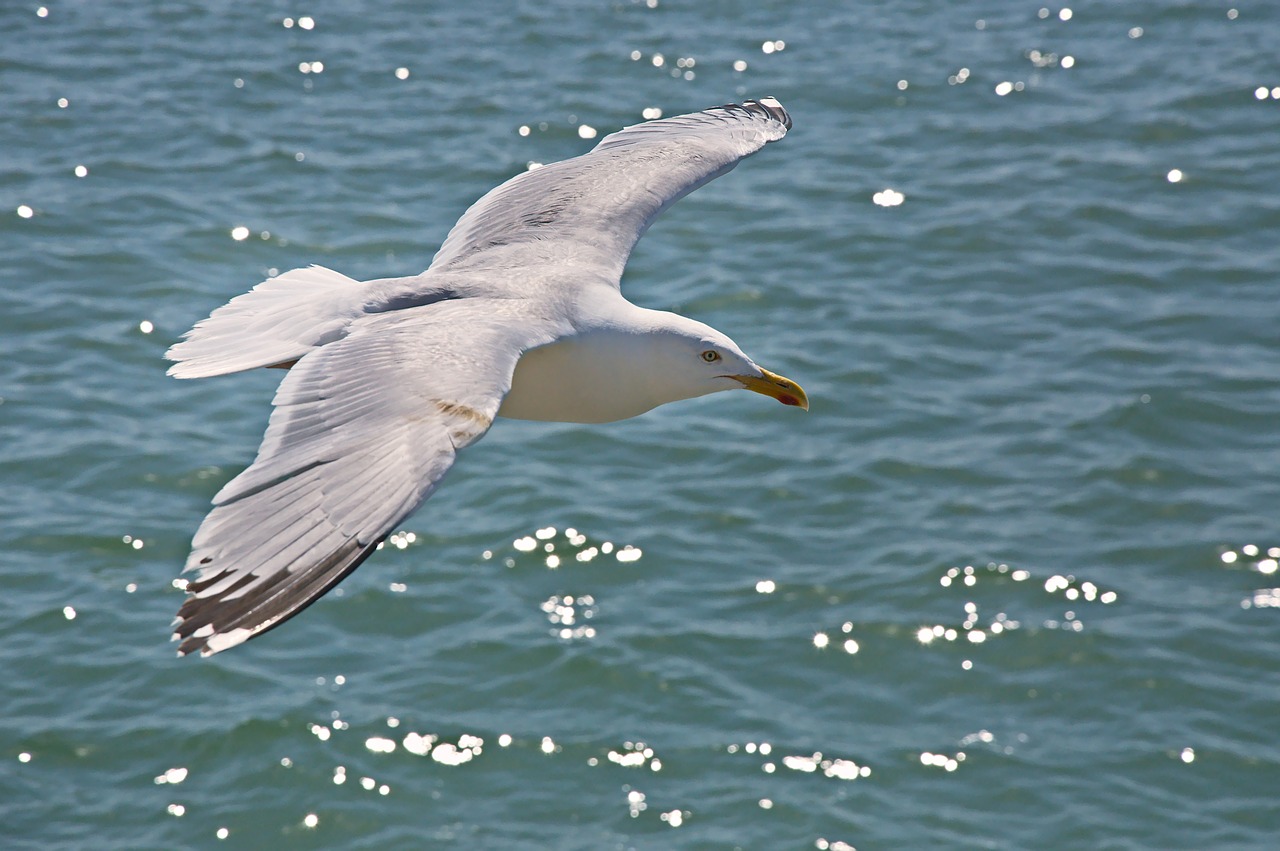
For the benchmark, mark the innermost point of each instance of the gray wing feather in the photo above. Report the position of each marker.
(362, 433)
(592, 209)
(285, 317)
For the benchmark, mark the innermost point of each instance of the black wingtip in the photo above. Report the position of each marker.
(209, 625)
(768, 107)
(773, 108)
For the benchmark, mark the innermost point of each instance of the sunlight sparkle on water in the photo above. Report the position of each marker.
(564, 613)
(173, 775)
(888, 198)
(450, 754)
(632, 755)
(418, 744)
(379, 744)
(25, 212)
(836, 769)
(550, 541)
(939, 760)
(1266, 563)
(402, 540)
(1263, 598)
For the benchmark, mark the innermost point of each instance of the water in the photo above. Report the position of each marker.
(1007, 585)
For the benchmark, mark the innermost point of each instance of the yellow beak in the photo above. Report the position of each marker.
(784, 390)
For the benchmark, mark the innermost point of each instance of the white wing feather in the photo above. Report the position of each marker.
(363, 431)
(285, 317)
(592, 209)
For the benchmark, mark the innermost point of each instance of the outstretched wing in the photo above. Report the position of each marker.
(592, 209)
(362, 432)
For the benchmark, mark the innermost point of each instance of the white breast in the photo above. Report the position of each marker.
(597, 377)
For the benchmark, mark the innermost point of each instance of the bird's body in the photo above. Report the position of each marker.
(590, 376)
(520, 315)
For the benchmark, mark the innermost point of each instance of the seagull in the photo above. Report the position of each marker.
(519, 315)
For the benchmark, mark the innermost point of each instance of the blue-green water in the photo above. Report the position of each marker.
(1031, 515)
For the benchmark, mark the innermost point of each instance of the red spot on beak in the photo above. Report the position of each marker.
(788, 400)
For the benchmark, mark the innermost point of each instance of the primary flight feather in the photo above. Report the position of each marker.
(519, 315)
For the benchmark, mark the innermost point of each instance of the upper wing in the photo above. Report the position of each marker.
(592, 209)
(362, 432)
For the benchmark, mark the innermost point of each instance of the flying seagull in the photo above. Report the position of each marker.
(519, 315)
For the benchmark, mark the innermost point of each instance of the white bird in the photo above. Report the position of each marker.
(519, 315)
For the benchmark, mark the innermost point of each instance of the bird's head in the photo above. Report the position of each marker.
(708, 361)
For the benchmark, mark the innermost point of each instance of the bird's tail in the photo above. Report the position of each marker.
(274, 324)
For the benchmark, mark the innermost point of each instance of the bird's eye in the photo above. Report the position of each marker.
(710, 356)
